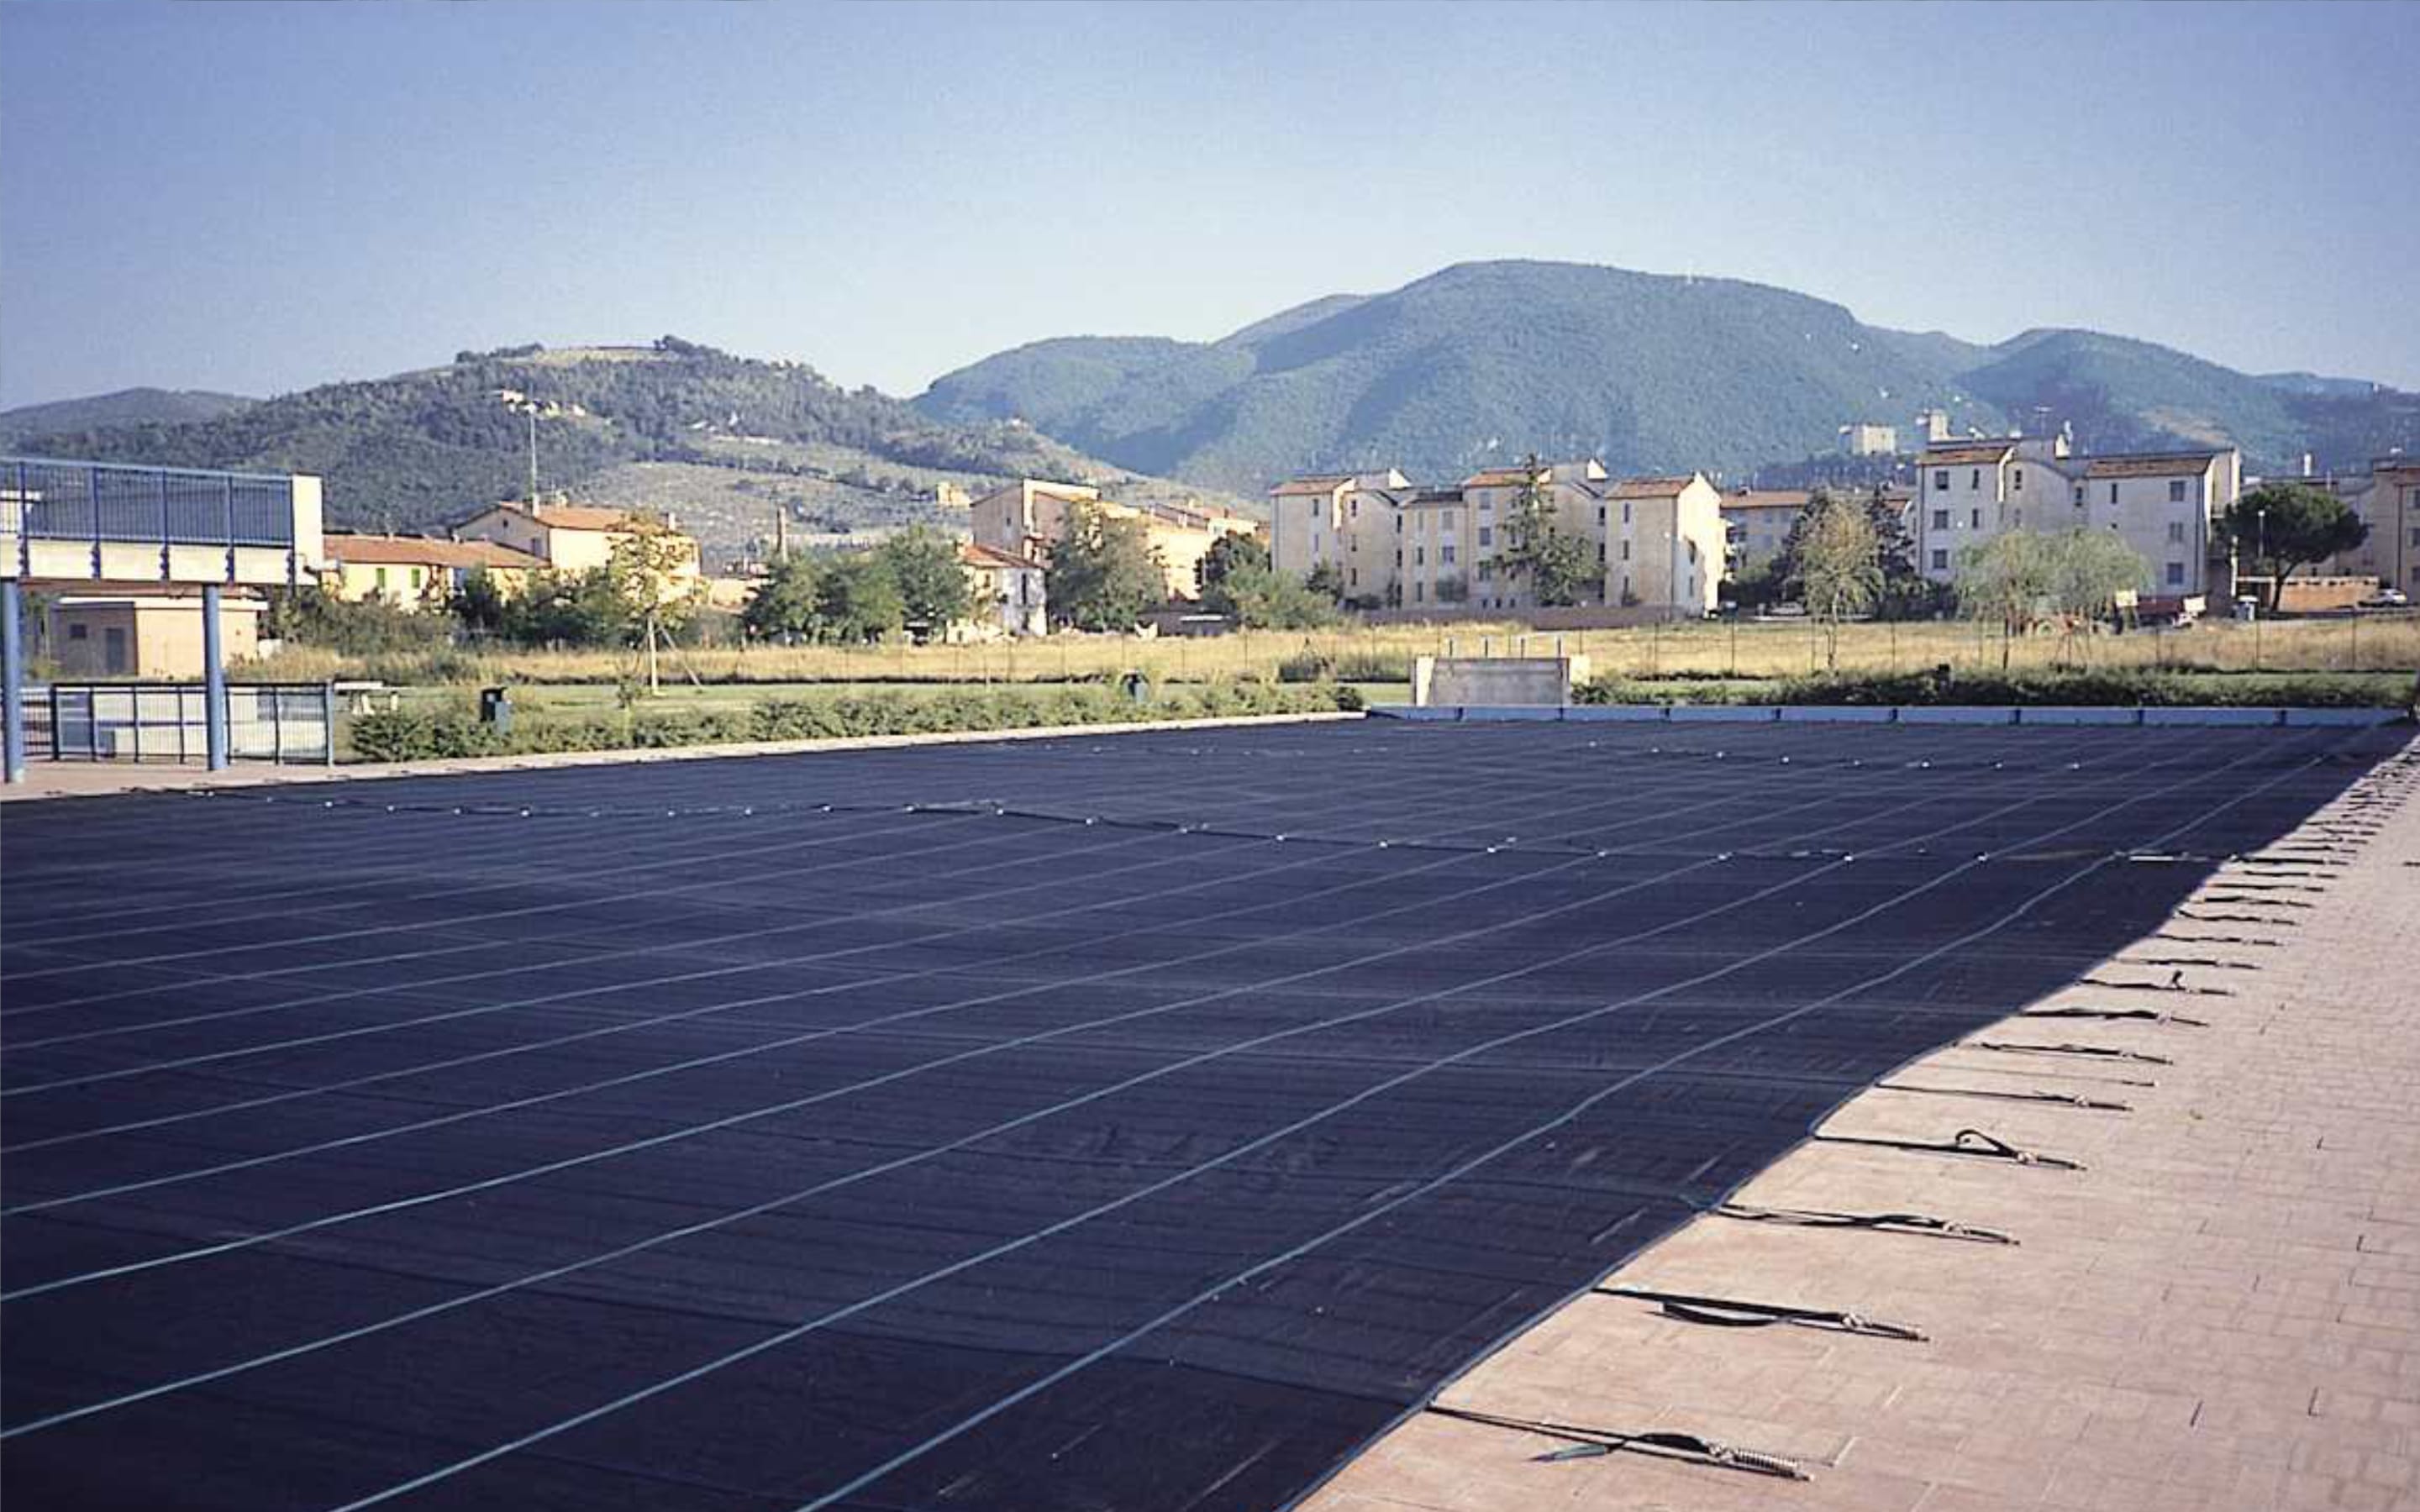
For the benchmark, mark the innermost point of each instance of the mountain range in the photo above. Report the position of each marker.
(127, 407)
(724, 443)
(1486, 360)
(1478, 362)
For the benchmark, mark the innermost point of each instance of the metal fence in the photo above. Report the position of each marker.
(41, 500)
(282, 722)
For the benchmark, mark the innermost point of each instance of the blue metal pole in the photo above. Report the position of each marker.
(12, 672)
(214, 710)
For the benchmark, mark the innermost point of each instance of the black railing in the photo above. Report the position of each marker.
(281, 722)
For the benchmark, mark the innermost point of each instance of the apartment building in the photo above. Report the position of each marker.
(1665, 546)
(1399, 545)
(1026, 518)
(1757, 522)
(1310, 518)
(2161, 503)
(2387, 498)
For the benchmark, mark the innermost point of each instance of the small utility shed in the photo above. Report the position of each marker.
(146, 634)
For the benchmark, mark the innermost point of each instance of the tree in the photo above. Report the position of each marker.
(2090, 572)
(481, 603)
(2284, 525)
(1327, 580)
(857, 599)
(1264, 598)
(1559, 565)
(1838, 558)
(785, 604)
(1104, 574)
(653, 571)
(1225, 555)
(2024, 578)
(933, 589)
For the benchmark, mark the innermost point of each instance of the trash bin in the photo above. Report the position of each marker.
(496, 708)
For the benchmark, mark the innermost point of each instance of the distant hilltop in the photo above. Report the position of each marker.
(1485, 362)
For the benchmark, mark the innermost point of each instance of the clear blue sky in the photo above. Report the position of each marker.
(259, 197)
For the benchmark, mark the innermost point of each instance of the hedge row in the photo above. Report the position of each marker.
(414, 736)
(2144, 689)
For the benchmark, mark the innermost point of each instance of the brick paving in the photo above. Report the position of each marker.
(2222, 1311)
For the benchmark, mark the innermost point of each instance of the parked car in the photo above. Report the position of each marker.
(2387, 598)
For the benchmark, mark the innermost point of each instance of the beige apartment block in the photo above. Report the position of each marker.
(1757, 522)
(1405, 547)
(1028, 518)
(568, 537)
(412, 572)
(150, 636)
(1665, 544)
(2387, 498)
(2162, 503)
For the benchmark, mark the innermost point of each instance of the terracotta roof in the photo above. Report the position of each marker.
(2154, 465)
(975, 555)
(1502, 477)
(584, 517)
(1972, 451)
(1315, 483)
(415, 551)
(1766, 498)
(1650, 487)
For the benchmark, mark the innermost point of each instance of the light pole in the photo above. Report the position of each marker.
(527, 408)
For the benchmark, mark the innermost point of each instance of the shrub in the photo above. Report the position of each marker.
(424, 735)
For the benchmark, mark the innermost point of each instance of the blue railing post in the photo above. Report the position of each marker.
(13, 670)
(214, 709)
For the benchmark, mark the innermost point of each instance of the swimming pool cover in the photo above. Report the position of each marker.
(1138, 1122)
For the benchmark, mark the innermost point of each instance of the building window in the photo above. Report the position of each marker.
(1625, 515)
(2176, 575)
(79, 632)
(381, 579)
(1419, 591)
(1398, 525)
(1600, 514)
(1352, 576)
(1941, 519)
(1419, 555)
(1487, 535)
(2018, 480)
(2017, 518)
(1973, 519)
(2113, 493)
(1974, 478)
(1600, 553)
(1941, 478)
(1940, 561)
(1445, 553)
(1488, 572)
(2176, 492)
(1353, 509)
(2079, 496)
(1625, 551)
(2175, 531)
(1448, 519)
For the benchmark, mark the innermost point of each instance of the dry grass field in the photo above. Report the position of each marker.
(1380, 654)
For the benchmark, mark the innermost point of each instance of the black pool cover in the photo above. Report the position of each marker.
(1136, 1123)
